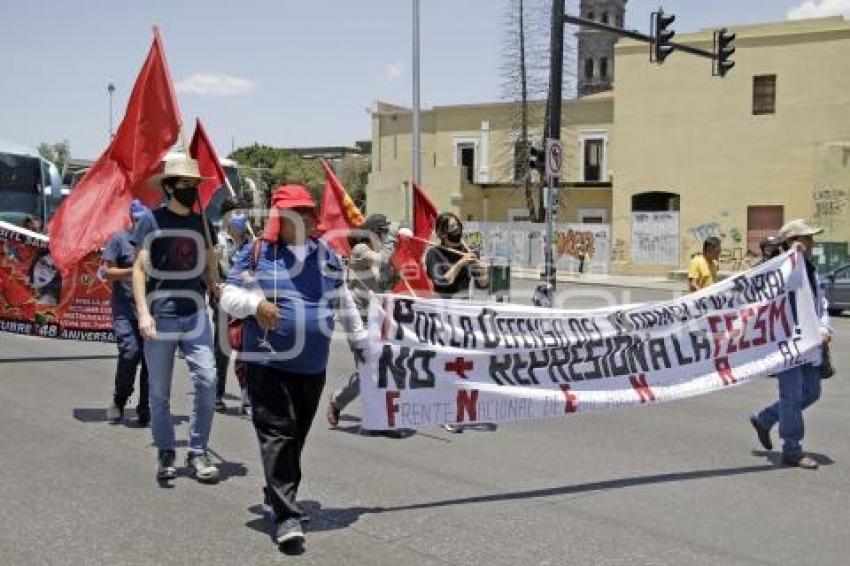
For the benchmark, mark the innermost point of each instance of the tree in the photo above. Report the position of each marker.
(525, 82)
(57, 153)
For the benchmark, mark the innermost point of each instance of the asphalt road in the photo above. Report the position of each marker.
(681, 483)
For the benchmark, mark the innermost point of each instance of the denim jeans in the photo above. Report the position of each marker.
(130, 347)
(193, 336)
(799, 387)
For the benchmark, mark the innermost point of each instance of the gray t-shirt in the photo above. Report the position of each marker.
(120, 251)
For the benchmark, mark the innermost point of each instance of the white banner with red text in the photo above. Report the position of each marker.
(433, 362)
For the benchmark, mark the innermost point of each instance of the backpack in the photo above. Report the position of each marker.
(234, 325)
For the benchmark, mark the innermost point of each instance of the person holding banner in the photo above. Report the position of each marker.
(287, 297)
(119, 256)
(369, 271)
(176, 265)
(452, 268)
(703, 269)
(799, 387)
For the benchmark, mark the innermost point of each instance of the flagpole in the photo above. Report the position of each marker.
(409, 287)
(438, 246)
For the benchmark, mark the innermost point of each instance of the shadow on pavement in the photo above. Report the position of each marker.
(321, 519)
(40, 359)
(85, 415)
(775, 457)
(582, 488)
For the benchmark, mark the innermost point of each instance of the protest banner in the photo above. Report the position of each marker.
(37, 300)
(432, 362)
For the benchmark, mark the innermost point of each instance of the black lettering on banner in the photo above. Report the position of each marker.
(519, 364)
(575, 359)
(787, 357)
(681, 358)
(402, 314)
(423, 379)
(395, 366)
(436, 334)
(498, 370)
(420, 326)
(619, 358)
(560, 333)
(637, 356)
(488, 330)
(593, 359)
(700, 344)
(538, 359)
(454, 340)
(658, 352)
(469, 340)
(558, 358)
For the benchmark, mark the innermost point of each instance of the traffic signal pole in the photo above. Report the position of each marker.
(660, 42)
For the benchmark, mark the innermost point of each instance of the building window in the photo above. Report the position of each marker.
(520, 160)
(603, 67)
(466, 159)
(764, 94)
(590, 15)
(594, 160)
(588, 68)
(604, 17)
(619, 21)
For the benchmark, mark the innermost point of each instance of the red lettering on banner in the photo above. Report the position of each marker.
(570, 399)
(777, 313)
(715, 323)
(745, 318)
(642, 388)
(724, 370)
(467, 404)
(459, 366)
(392, 408)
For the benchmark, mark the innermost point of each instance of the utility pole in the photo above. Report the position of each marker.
(553, 131)
(110, 88)
(417, 154)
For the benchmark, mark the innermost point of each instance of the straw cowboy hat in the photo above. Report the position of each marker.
(796, 229)
(182, 168)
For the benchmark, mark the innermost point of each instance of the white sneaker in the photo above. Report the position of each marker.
(202, 467)
(457, 429)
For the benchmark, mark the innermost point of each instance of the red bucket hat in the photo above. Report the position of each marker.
(286, 197)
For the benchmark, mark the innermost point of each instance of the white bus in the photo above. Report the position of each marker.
(30, 186)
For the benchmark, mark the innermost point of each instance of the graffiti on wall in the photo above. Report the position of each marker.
(618, 250)
(575, 243)
(830, 204)
(655, 237)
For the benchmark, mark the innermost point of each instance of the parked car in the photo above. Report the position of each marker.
(837, 286)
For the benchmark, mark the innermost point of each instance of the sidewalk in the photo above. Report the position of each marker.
(629, 281)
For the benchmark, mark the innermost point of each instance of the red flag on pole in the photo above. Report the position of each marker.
(409, 251)
(210, 167)
(98, 205)
(339, 214)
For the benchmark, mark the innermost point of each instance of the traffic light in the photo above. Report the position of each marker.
(537, 160)
(662, 36)
(724, 48)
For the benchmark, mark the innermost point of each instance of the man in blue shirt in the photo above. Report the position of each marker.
(118, 257)
(176, 265)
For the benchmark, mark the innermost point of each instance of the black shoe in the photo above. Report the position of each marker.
(143, 417)
(220, 406)
(165, 469)
(762, 433)
(289, 532)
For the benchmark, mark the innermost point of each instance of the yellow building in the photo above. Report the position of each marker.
(670, 156)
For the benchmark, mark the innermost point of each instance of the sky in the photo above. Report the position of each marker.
(280, 72)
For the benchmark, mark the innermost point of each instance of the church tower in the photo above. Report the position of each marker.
(595, 67)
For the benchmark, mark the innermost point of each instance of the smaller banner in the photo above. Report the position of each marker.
(435, 361)
(36, 300)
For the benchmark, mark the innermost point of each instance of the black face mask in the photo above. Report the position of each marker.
(185, 196)
(454, 236)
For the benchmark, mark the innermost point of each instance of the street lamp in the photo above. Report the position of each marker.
(111, 90)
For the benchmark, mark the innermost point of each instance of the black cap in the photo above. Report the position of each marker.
(770, 241)
(376, 222)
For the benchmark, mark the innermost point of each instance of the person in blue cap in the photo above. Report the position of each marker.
(118, 257)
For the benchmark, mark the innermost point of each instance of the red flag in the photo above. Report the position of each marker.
(98, 205)
(407, 261)
(339, 214)
(408, 255)
(203, 151)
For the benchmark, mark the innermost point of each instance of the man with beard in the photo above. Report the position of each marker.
(176, 265)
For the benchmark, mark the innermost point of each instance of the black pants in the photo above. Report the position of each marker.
(221, 357)
(282, 407)
(130, 356)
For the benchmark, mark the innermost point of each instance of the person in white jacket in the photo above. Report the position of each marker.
(287, 296)
(799, 387)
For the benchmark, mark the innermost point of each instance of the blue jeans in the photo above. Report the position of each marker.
(193, 336)
(799, 387)
(129, 342)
